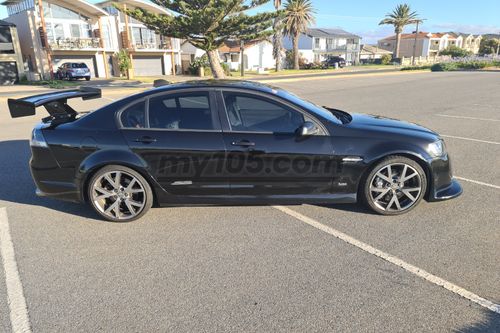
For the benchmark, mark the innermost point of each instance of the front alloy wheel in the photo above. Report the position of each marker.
(119, 194)
(395, 186)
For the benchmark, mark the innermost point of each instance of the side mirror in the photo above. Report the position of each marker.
(308, 128)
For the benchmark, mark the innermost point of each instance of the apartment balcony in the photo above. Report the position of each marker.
(75, 44)
(151, 46)
(340, 48)
(434, 47)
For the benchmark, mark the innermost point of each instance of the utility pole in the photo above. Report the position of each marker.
(242, 58)
(415, 42)
(498, 44)
(45, 39)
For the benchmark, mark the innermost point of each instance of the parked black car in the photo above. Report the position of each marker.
(229, 142)
(73, 71)
(332, 60)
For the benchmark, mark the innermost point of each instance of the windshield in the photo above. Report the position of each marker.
(322, 112)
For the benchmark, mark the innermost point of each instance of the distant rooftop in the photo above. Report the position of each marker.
(334, 32)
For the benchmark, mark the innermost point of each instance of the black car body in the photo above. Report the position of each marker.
(332, 60)
(73, 71)
(229, 142)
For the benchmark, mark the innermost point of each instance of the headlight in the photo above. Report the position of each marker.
(436, 149)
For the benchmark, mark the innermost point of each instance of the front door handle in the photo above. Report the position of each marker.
(145, 139)
(243, 143)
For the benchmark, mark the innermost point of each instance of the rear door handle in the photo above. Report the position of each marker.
(243, 143)
(145, 139)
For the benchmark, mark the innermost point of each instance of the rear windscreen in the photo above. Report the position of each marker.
(80, 65)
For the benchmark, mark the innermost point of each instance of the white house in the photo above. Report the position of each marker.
(257, 55)
(318, 44)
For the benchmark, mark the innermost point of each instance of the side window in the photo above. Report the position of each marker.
(250, 113)
(134, 116)
(181, 111)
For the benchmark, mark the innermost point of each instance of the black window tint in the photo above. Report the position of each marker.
(183, 111)
(254, 114)
(79, 65)
(134, 116)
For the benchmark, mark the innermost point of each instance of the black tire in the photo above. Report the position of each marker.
(87, 78)
(68, 77)
(146, 196)
(411, 200)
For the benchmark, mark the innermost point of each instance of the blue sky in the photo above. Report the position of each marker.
(362, 16)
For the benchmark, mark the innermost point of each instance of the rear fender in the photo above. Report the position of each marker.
(104, 157)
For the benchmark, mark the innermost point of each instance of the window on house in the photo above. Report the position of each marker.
(316, 43)
(5, 35)
(136, 34)
(58, 31)
(75, 30)
(235, 57)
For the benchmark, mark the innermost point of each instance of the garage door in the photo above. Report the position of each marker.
(8, 73)
(148, 65)
(88, 60)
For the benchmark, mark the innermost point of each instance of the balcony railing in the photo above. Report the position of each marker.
(75, 43)
(333, 48)
(434, 47)
(153, 46)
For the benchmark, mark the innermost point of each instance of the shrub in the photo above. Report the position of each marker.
(416, 68)
(124, 63)
(194, 67)
(455, 52)
(444, 67)
(386, 59)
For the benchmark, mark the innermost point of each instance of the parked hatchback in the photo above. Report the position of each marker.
(73, 70)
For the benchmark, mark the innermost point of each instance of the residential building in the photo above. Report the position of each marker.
(151, 53)
(430, 44)
(257, 55)
(372, 53)
(11, 60)
(52, 32)
(318, 44)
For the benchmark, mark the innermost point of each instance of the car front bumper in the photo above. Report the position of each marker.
(442, 184)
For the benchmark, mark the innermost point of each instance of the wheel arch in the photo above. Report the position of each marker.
(411, 155)
(101, 159)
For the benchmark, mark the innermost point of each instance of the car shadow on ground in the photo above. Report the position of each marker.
(16, 184)
(490, 323)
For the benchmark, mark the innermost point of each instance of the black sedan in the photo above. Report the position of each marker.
(229, 142)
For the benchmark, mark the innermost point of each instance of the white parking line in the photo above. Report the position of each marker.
(478, 182)
(464, 117)
(393, 260)
(470, 139)
(19, 319)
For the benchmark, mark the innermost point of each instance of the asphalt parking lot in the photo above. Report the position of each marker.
(262, 269)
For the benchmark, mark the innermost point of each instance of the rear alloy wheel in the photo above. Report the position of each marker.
(395, 186)
(119, 194)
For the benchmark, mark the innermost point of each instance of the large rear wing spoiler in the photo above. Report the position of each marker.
(54, 102)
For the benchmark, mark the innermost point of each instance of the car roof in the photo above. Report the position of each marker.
(216, 83)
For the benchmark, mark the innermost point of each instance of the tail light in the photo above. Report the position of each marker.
(37, 139)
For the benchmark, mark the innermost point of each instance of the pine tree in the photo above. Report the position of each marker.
(207, 24)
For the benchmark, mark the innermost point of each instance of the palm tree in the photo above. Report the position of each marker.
(400, 17)
(277, 38)
(299, 15)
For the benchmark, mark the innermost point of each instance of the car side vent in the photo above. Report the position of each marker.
(160, 83)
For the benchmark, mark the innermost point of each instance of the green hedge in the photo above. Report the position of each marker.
(464, 65)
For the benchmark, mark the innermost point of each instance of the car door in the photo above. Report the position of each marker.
(265, 155)
(178, 135)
